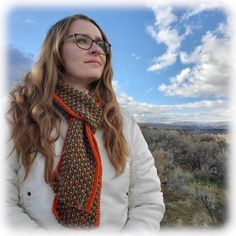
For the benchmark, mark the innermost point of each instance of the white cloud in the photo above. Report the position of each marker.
(115, 85)
(148, 90)
(29, 20)
(199, 8)
(165, 60)
(192, 58)
(210, 73)
(163, 15)
(202, 111)
(163, 32)
(168, 36)
(166, 31)
(135, 56)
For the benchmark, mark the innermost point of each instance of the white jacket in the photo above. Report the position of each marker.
(132, 201)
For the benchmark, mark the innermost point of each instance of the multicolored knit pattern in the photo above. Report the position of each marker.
(78, 175)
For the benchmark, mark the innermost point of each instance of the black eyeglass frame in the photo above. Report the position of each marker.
(95, 41)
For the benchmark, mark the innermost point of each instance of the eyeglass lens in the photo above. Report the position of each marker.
(85, 42)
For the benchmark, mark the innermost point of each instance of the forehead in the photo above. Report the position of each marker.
(84, 27)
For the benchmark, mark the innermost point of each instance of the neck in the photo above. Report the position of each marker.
(76, 84)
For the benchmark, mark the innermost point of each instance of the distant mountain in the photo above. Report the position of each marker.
(211, 127)
(214, 125)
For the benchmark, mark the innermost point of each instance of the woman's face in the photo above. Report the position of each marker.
(82, 67)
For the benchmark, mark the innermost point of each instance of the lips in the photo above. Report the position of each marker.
(95, 62)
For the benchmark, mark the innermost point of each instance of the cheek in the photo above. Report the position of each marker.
(70, 56)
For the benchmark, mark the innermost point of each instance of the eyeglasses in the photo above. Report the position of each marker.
(85, 42)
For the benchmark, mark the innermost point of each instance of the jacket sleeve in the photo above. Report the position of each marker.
(146, 206)
(14, 216)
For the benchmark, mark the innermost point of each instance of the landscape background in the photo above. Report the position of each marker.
(192, 163)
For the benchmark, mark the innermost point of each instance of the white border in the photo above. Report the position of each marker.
(6, 6)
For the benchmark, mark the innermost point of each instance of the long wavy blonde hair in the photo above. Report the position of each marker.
(35, 124)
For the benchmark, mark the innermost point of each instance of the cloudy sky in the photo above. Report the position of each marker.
(171, 64)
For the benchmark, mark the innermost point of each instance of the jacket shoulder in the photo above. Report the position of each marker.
(128, 119)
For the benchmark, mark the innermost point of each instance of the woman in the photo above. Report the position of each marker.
(78, 160)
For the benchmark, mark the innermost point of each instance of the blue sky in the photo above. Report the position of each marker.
(170, 64)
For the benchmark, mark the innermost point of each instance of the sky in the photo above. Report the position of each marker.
(171, 64)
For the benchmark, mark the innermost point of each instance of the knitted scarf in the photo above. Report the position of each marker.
(78, 175)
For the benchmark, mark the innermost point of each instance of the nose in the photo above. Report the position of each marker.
(95, 49)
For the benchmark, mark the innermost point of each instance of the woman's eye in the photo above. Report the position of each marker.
(101, 44)
(81, 40)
